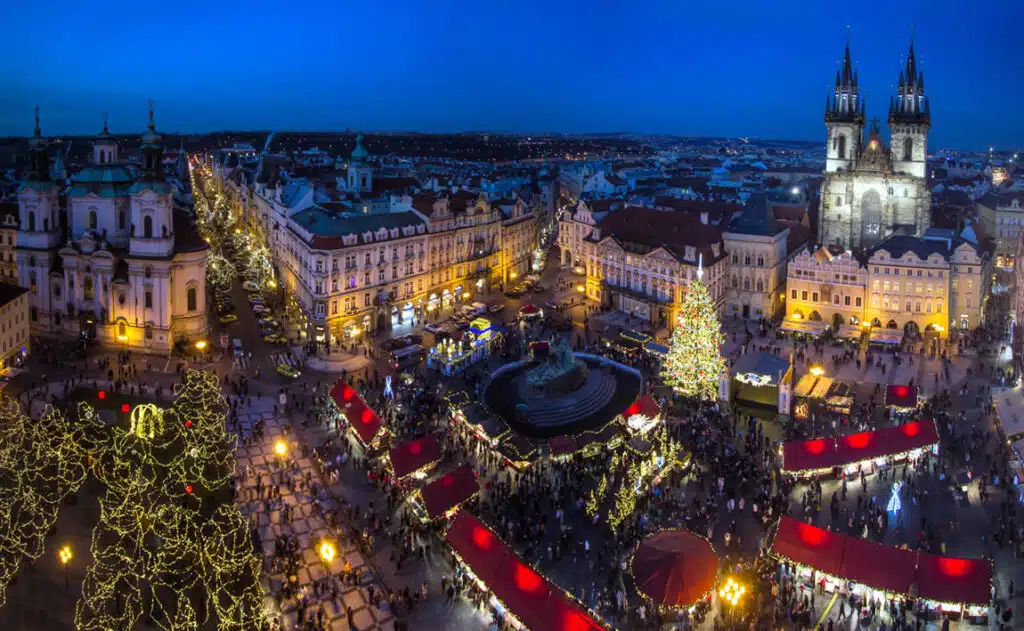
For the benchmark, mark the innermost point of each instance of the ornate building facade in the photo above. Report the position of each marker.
(121, 266)
(870, 190)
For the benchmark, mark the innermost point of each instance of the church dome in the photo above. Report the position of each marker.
(359, 154)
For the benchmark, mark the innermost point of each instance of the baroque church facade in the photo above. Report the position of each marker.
(871, 190)
(118, 264)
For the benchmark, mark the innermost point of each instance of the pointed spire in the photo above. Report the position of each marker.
(152, 125)
(105, 129)
(837, 80)
(920, 81)
(38, 132)
(911, 62)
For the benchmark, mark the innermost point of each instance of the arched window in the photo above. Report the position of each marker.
(122, 330)
(746, 284)
(147, 227)
(908, 148)
(122, 220)
(735, 282)
(760, 285)
(31, 221)
(191, 298)
(87, 288)
(841, 146)
(92, 219)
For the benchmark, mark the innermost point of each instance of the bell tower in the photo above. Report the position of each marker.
(909, 120)
(844, 119)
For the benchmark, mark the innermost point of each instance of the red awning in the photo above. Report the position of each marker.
(412, 456)
(674, 568)
(363, 420)
(538, 603)
(809, 545)
(901, 396)
(882, 567)
(807, 455)
(954, 580)
(645, 405)
(860, 446)
(449, 490)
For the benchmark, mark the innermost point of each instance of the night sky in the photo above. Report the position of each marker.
(662, 66)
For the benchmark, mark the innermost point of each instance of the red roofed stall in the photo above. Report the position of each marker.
(645, 405)
(448, 491)
(954, 580)
(409, 457)
(826, 453)
(882, 567)
(901, 396)
(809, 545)
(363, 421)
(538, 603)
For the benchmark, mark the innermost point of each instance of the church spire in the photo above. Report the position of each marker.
(846, 104)
(39, 162)
(909, 104)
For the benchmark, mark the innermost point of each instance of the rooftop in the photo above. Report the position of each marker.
(9, 292)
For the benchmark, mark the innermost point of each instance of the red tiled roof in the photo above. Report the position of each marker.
(645, 405)
(658, 228)
(449, 491)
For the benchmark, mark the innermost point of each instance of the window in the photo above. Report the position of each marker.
(87, 288)
(908, 149)
(148, 271)
(736, 284)
(970, 301)
(122, 329)
(366, 300)
(190, 298)
(334, 307)
(34, 315)
(92, 219)
(149, 331)
(31, 223)
(760, 285)
(149, 299)
(334, 285)
(147, 227)
(814, 296)
(841, 146)
(835, 299)
(793, 295)
(32, 281)
(122, 220)
(803, 295)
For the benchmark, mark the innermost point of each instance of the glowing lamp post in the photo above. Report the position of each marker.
(817, 371)
(280, 448)
(731, 593)
(327, 551)
(65, 557)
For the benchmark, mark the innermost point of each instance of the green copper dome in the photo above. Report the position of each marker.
(359, 154)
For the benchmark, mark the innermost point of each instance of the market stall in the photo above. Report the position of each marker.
(363, 421)
(1009, 406)
(447, 493)
(674, 568)
(850, 331)
(955, 585)
(824, 455)
(802, 326)
(809, 546)
(886, 337)
(415, 457)
(642, 415)
(758, 379)
(452, 356)
(516, 589)
(901, 398)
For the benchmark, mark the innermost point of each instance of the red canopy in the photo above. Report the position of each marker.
(645, 405)
(449, 490)
(809, 545)
(901, 396)
(807, 455)
(538, 603)
(882, 567)
(412, 456)
(363, 420)
(674, 567)
(954, 580)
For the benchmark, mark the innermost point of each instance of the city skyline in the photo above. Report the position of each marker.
(570, 68)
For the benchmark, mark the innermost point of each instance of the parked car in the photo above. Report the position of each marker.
(250, 286)
(258, 308)
(228, 318)
(274, 338)
(432, 328)
(496, 308)
(288, 371)
(255, 298)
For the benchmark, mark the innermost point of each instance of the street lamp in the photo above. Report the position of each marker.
(65, 556)
(280, 448)
(580, 288)
(327, 551)
(817, 371)
(201, 345)
(731, 592)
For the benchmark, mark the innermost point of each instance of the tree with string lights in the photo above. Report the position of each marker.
(694, 361)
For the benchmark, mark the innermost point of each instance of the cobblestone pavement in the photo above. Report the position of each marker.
(310, 528)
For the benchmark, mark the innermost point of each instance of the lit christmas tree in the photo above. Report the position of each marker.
(694, 362)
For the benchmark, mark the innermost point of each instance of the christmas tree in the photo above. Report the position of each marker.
(694, 362)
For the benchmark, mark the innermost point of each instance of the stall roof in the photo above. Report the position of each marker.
(449, 491)
(562, 445)
(882, 567)
(805, 385)
(655, 347)
(886, 336)
(412, 456)
(954, 580)
(364, 421)
(810, 327)
(809, 545)
(645, 405)
(808, 455)
(850, 331)
(901, 396)
(762, 364)
(1010, 406)
(821, 388)
(538, 603)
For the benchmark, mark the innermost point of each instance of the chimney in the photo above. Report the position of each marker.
(704, 217)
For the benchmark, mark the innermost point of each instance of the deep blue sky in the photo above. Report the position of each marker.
(695, 67)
